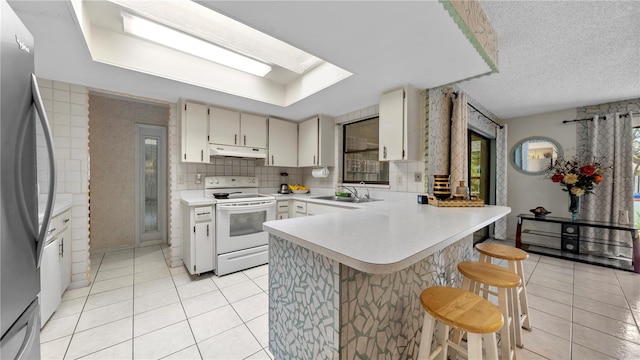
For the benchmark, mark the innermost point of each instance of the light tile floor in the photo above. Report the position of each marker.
(138, 308)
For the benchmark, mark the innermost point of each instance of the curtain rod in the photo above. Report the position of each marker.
(600, 117)
(454, 93)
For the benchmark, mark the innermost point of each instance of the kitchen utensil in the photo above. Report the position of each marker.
(225, 195)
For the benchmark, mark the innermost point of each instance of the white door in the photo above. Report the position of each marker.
(224, 126)
(391, 125)
(283, 144)
(254, 131)
(308, 143)
(151, 184)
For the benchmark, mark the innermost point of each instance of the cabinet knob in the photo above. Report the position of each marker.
(271, 159)
(384, 152)
(235, 139)
(314, 159)
(245, 139)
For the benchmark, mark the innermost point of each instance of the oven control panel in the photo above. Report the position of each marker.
(219, 182)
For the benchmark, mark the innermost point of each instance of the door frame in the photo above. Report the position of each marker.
(160, 132)
(491, 186)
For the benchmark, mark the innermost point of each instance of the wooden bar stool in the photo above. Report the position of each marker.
(479, 277)
(515, 258)
(462, 310)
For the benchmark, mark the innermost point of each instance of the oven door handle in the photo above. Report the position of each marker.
(263, 205)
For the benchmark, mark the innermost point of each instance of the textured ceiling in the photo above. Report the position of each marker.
(553, 55)
(557, 55)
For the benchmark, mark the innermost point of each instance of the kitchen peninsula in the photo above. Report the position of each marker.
(346, 285)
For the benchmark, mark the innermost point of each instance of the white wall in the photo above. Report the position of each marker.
(526, 192)
(67, 109)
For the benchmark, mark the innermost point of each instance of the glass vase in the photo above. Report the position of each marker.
(574, 205)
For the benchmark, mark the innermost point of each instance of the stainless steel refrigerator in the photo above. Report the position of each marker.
(22, 234)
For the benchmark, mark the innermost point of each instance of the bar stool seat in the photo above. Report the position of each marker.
(514, 258)
(479, 278)
(462, 310)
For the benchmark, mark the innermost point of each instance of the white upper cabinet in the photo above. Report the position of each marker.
(230, 127)
(316, 142)
(194, 127)
(224, 126)
(253, 129)
(400, 125)
(283, 144)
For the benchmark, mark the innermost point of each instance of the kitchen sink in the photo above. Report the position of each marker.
(345, 199)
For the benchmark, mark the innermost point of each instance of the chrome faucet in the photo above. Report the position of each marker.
(366, 188)
(353, 191)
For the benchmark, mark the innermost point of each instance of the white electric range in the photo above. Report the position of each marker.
(240, 242)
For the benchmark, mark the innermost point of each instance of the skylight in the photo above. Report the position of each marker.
(172, 38)
(187, 42)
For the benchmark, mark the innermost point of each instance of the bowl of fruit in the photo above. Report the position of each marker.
(298, 189)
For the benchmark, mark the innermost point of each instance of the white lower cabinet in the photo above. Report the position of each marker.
(282, 209)
(55, 269)
(299, 208)
(50, 268)
(65, 251)
(304, 208)
(317, 209)
(198, 237)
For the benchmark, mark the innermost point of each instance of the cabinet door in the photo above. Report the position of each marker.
(283, 143)
(50, 294)
(203, 247)
(317, 209)
(195, 147)
(65, 247)
(392, 125)
(224, 126)
(253, 129)
(308, 143)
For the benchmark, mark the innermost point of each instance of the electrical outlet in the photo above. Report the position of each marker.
(399, 180)
(417, 177)
(180, 179)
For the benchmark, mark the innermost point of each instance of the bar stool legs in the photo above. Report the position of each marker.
(480, 278)
(463, 310)
(515, 258)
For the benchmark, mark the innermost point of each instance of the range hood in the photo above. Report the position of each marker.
(237, 151)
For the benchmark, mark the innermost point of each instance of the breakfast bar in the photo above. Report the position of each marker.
(346, 285)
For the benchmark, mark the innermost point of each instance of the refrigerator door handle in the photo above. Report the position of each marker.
(32, 329)
(42, 233)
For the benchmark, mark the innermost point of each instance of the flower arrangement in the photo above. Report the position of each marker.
(577, 178)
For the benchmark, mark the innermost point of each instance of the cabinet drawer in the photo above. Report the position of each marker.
(300, 206)
(283, 206)
(204, 213)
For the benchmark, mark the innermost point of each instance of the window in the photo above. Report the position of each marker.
(360, 154)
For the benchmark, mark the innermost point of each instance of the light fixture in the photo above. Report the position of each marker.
(175, 39)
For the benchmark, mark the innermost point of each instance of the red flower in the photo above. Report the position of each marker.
(587, 170)
(557, 178)
(597, 178)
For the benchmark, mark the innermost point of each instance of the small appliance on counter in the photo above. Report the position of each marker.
(284, 186)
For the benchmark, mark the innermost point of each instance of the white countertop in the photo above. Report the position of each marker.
(62, 203)
(384, 236)
(195, 198)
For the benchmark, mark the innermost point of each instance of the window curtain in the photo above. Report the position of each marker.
(500, 229)
(459, 118)
(609, 141)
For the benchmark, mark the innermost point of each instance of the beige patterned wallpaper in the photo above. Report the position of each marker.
(112, 139)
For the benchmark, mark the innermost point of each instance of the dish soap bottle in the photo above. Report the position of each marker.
(463, 190)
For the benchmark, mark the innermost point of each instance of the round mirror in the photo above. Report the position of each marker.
(534, 154)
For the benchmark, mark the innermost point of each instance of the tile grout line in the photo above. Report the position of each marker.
(195, 342)
(73, 333)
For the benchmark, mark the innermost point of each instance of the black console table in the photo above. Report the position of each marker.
(570, 241)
